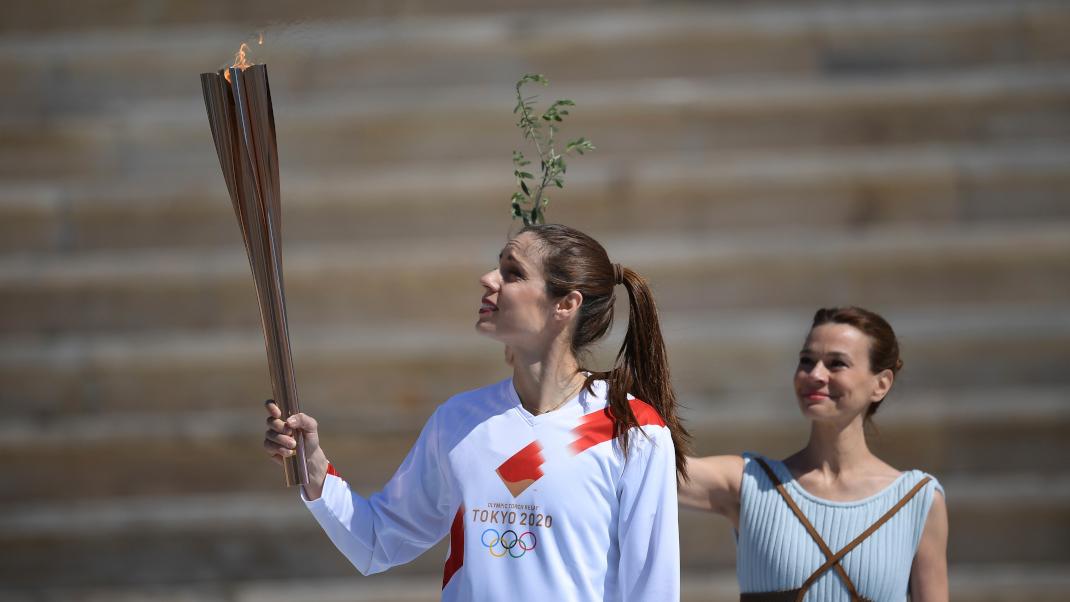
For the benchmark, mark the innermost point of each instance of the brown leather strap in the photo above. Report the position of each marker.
(835, 559)
(809, 527)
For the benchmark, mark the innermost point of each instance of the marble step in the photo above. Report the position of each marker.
(169, 141)
(709, 193)
(1003, 582)
(236, 537)
(214, 448)
(115, 292)
(409, 370)
(78, 71)
(47, 16)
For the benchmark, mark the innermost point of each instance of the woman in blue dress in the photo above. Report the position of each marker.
(833, 521)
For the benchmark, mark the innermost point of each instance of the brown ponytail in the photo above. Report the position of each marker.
(642, 369)
(574, 261)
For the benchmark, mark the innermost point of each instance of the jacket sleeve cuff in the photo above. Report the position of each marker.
(332, 480)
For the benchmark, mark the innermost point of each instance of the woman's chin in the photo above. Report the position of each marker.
(816, 410)
(487, 329)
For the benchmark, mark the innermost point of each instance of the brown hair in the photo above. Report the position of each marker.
(573, 261)
(883, 344)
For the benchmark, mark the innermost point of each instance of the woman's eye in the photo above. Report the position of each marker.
(837, 364)
(805, 362)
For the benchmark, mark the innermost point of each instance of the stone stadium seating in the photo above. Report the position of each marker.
(755, 161)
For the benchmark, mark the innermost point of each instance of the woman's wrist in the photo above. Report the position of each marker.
(317, 465)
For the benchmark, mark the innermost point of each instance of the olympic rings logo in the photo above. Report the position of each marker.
(509, 543)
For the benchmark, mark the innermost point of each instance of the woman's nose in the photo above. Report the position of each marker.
(490, 280)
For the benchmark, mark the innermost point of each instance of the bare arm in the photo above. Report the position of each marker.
(714, 485)
(928, 576)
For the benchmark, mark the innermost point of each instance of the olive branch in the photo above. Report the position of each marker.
(529, 203)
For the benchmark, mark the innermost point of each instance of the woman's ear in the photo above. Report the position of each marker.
(568, 306)
(885, 379)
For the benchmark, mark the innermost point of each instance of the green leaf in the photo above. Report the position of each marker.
(532, 77)
(580, 145)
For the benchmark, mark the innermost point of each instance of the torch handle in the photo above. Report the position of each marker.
(294, 467)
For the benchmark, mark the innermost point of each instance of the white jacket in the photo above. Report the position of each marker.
(537, 507)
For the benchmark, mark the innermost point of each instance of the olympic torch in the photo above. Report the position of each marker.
(238, 100)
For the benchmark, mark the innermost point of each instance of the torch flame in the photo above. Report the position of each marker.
(241, 61)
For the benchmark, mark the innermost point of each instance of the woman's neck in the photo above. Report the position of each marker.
(545, 381)
(835, 449)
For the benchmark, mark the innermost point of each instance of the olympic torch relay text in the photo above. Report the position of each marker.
(510, 530)
(521, 518)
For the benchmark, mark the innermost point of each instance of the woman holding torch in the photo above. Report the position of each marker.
(557, 483)
(833, 521)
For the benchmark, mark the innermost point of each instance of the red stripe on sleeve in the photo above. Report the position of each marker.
(456, 557)
(331, 470)
(597, 427)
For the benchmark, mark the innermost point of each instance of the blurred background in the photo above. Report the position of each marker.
(756, 160)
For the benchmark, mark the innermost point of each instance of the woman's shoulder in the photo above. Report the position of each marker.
(493, 398)
(913, 477)
(594, 398)
(901, 481)
(751, 462)
(755, 469)
(491, 394)
(476, 405)
(645, 414)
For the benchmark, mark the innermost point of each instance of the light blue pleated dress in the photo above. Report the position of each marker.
(775, 552)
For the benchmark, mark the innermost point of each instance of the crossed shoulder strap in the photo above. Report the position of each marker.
(808, 526)
(833, 560)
